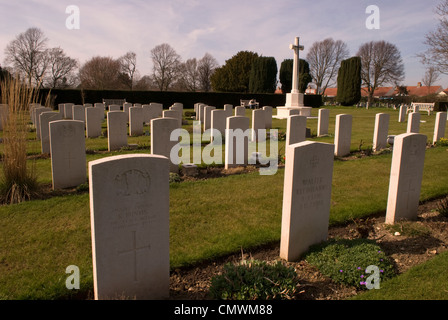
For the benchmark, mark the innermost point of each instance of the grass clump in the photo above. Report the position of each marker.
(347, 261)
(20, 181)
(255, 280)
(408, 228)
(442, 207)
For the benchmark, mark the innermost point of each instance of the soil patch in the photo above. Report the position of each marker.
(406, 250)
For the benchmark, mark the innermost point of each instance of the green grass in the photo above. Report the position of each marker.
(427, 281)
(208, 219)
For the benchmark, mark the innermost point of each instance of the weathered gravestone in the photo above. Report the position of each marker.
(343, 135)
(439, 126)
(117, 136)
(45, 118)
(114, 107)
(161, 143)
(306, 197)
(68, 153)
(228, 108)
(129, 212)
(323, 122)
(295, 129)
(405, 177)
(381, 131)
(237, 142)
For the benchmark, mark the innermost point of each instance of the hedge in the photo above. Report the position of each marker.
(168, 98)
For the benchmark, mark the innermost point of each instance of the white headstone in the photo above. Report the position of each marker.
(201, 112)
(405, 177)
(306, 197)
(208, 117)
(381, 131)
(135, 121)
(161, 144)
(228, 108)
(45, 118)
(258, 123)
(440, 126)
(36, 113)
(237, 142)
(413, 122)
(323, 122)
(68, 153)
(117, 136)
(295, 129)
(129, 212)
(173, 114)
(68, 111)
(240, 111)
(218, 122)
(114, 107)
(268, 116)
(94, 119)
(402, 113)
(343, 135)
(79, 113)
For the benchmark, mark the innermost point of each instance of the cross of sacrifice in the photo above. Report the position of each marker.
(295, 73)
(134, 250)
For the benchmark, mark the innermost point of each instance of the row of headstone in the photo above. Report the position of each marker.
(308, 182)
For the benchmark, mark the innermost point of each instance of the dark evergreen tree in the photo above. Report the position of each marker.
(286, 75)
(349, 82)
(263, 75)
(233, 76)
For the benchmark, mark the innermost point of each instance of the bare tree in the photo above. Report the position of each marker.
(27, 54)
(189, 75)
(381, 64)
(165, 65)
(431, 77)
(325, 59)
(206, 67)
(61, 69)
(100, 73)
(437, 41)
(128, 64)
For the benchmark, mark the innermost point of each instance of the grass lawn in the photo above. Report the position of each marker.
(39, 239)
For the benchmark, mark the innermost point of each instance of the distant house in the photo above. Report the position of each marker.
(388, 92)
(331, 92)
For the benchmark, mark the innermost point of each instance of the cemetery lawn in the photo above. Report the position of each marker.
(209, 218)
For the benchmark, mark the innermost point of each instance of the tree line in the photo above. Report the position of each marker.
(327, 64)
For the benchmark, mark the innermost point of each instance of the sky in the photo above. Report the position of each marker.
(220, 28)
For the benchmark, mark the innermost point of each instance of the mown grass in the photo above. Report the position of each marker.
(208, 219)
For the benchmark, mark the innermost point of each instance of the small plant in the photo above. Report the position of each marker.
(174, 177)
(345, 261)
(255, 280)
(408, 228)
(443, 142)
(442, 207)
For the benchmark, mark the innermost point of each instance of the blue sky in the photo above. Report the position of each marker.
(221, 28)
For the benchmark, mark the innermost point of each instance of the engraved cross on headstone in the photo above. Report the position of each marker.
(134, 250)
(295, 73)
